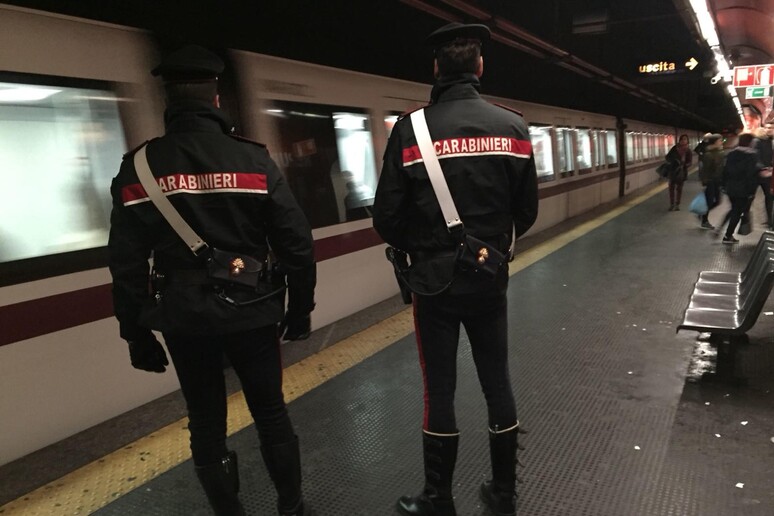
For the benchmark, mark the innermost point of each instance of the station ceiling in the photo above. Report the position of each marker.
(584, 55)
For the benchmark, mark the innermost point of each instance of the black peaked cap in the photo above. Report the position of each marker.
(189, 62)
(455, 30)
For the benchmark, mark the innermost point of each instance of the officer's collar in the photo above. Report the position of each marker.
(451, 87)
(195, 115)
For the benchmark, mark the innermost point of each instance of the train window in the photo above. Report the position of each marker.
(636, 147)
(598, 144)
(389, 123)
(326, 154)
(60, 146)
(584, 151)
(651, 146)
(612, 148)
(670, 142)
(630, 147)
(542, 149)
(564, 146)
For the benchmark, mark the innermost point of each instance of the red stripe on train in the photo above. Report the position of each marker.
(29, 319)
(50, 314)
(338, 245)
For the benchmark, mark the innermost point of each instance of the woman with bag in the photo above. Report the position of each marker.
(680, 156)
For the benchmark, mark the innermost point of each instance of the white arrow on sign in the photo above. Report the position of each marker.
(691, 63)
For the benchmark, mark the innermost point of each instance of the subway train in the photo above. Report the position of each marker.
(75, 95)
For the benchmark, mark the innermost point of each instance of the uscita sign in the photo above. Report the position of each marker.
(661, 66)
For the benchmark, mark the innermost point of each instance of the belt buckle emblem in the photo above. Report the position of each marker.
(483, 254)
(237, 266)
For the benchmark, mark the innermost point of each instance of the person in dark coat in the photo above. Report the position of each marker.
(740, 179)
(487, 161)
(763, 146)
(680, 157)
(711, 174)
(232, 195)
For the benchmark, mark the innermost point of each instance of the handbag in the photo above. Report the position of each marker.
(472, 253)
(699, 204)
(237, 279)
(664, 169)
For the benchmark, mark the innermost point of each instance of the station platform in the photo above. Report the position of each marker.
(624, 415)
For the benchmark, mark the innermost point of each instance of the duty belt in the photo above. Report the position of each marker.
(186, 277)
(421, 256)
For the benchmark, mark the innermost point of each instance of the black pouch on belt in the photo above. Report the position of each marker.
(479, 256)
(235, 268)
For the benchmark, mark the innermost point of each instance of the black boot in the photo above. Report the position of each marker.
(221, 484)
(499, 494)
(440, 453)
(284, 464)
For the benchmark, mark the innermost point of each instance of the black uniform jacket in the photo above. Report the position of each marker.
(486, 156)
(233, 195)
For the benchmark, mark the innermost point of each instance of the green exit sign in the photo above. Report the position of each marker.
(757, 93)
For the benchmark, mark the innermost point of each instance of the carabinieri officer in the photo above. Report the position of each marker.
(486, 158)
(233, 195)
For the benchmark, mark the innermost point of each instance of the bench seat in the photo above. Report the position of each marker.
(726, 303)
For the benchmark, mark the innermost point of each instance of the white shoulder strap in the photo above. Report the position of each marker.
(181, 227)
(430, 159)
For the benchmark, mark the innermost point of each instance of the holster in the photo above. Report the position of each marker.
(399, 261)
(428, 274)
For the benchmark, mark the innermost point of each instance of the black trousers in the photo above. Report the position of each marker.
(768, 198)
(739, 206)
(675, 191)
(712, 194)
(255, 356)
(437, 320)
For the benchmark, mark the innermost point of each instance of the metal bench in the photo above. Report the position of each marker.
(735, 277)
(728, 303)
(716, 295)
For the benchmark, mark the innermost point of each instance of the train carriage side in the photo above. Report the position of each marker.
(74, 96)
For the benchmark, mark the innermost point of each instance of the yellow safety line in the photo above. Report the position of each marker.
(93, 486)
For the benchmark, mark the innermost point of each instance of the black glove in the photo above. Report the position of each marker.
(295, 327)
(148, 354)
